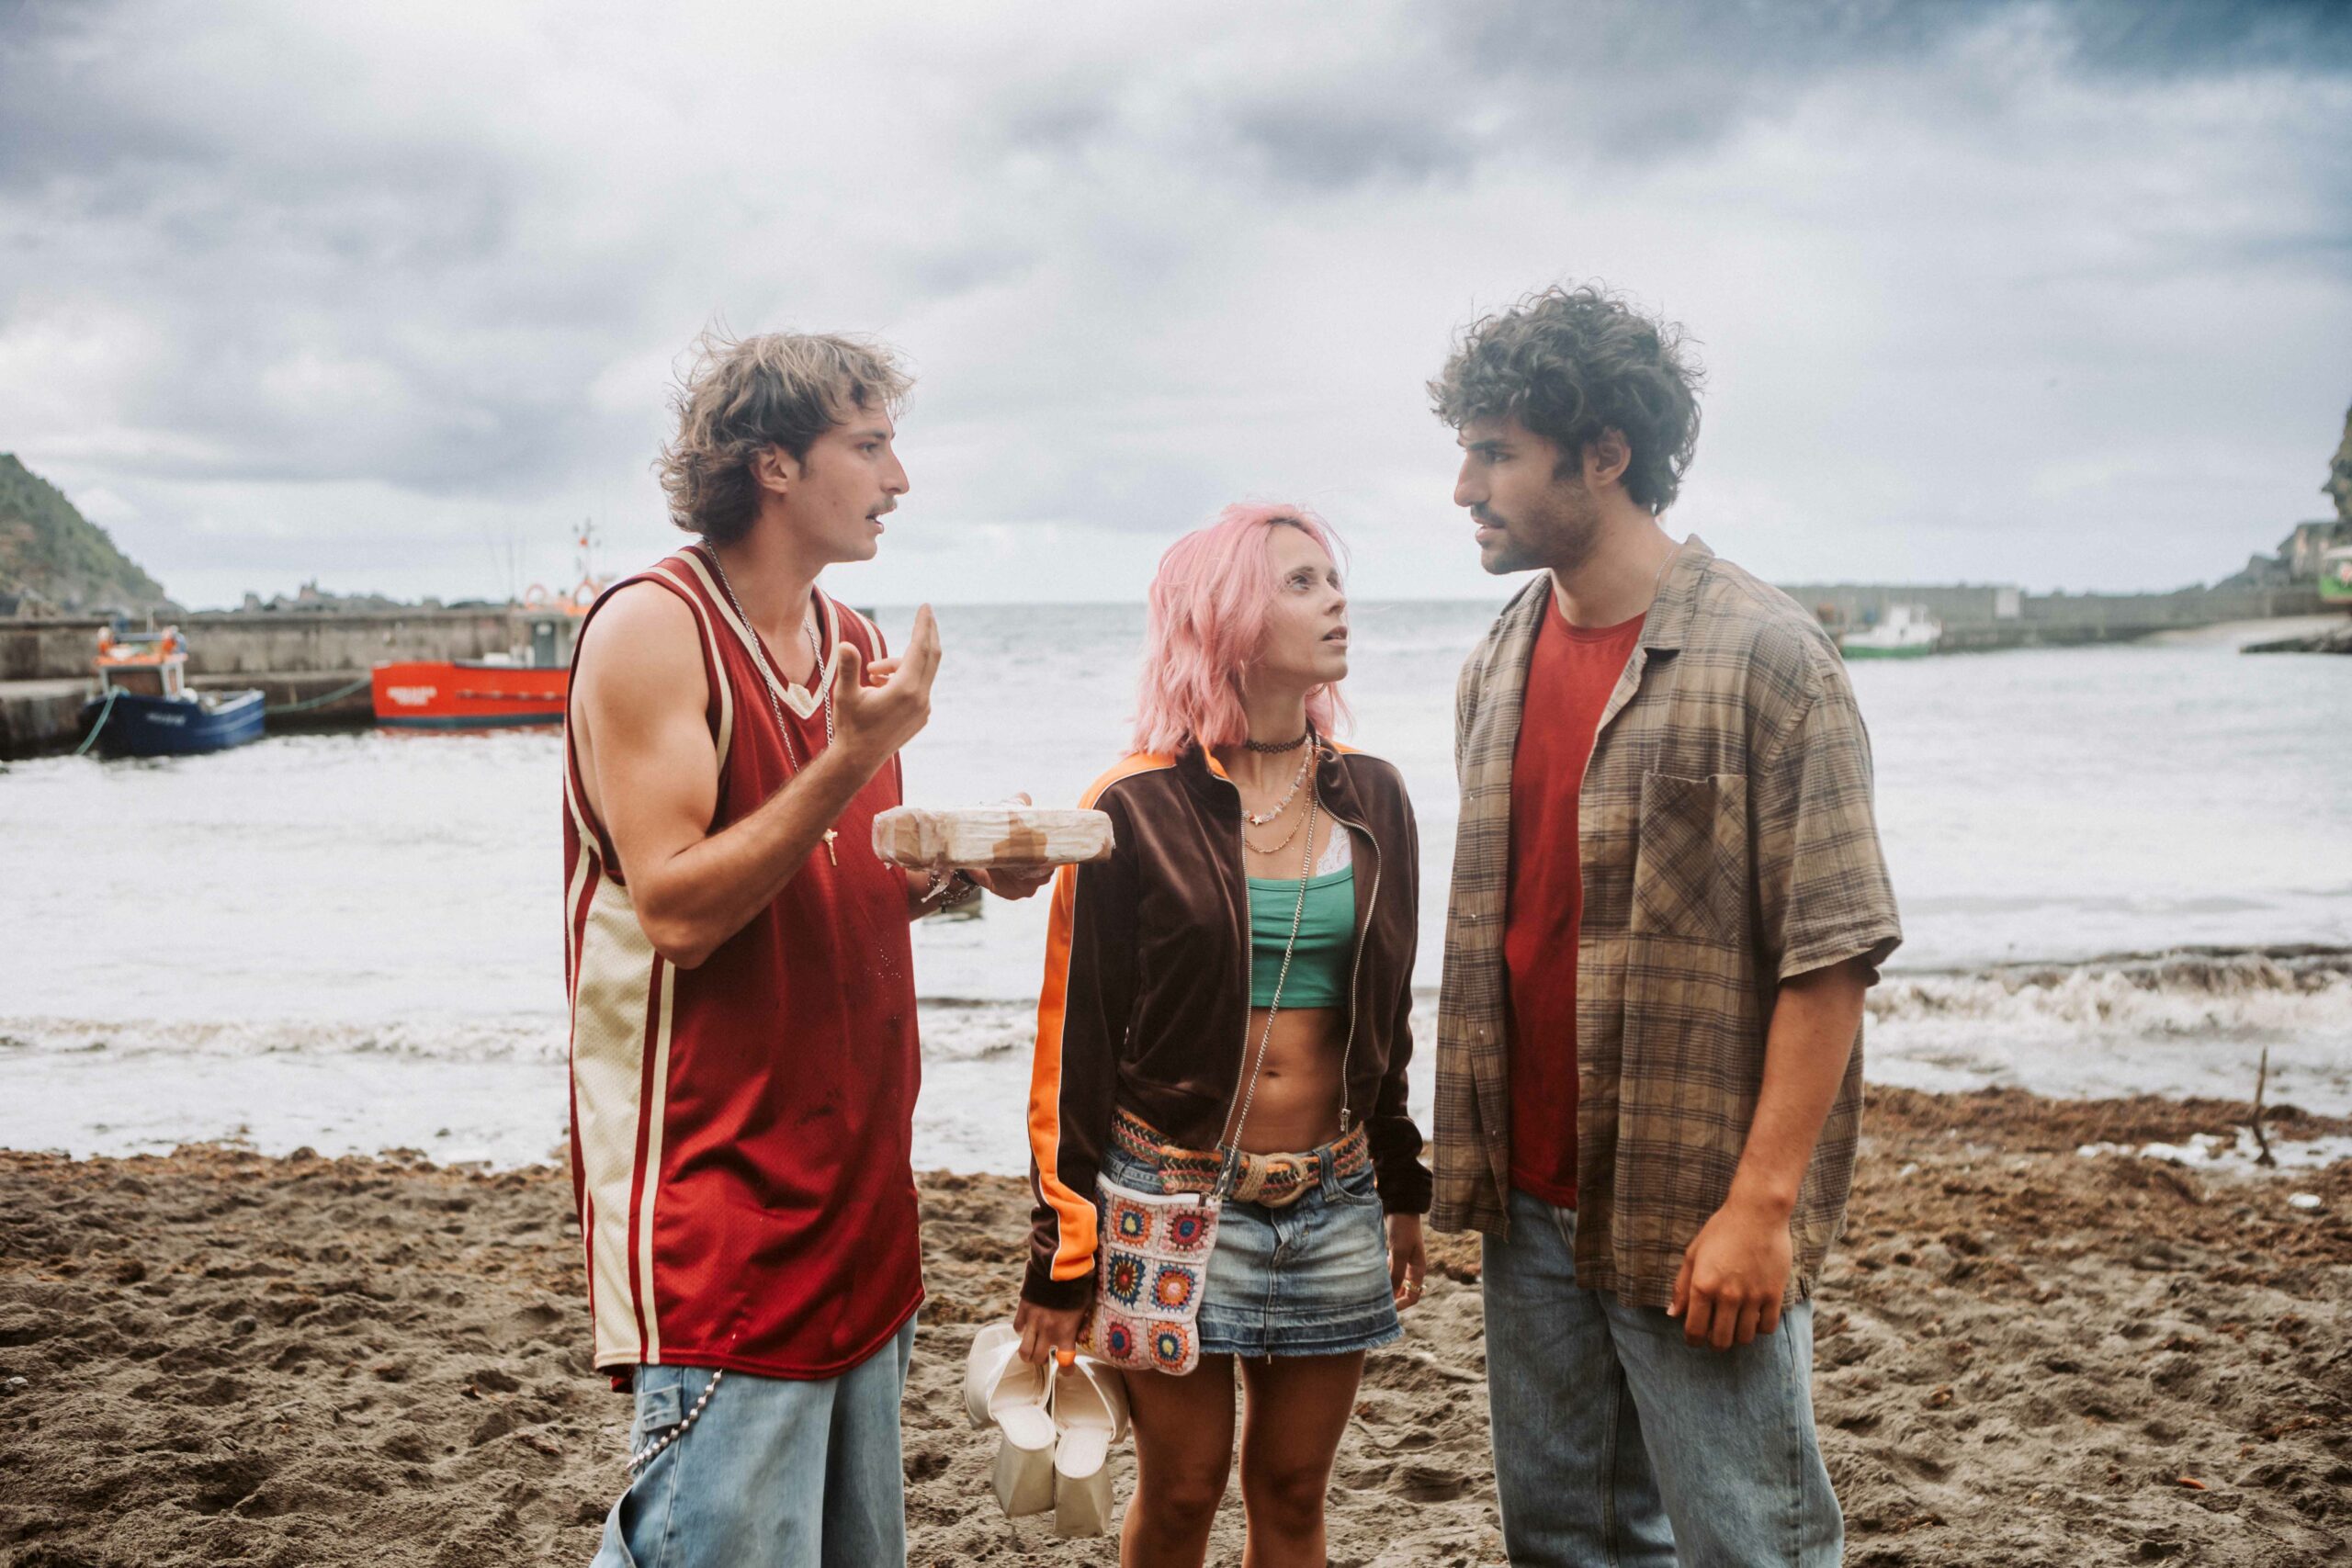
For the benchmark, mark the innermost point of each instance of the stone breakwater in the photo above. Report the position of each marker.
(292, 655)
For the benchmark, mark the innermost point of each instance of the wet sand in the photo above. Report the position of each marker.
(2024, 1356)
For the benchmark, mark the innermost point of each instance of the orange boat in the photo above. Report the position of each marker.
(530, 686)
(468, 694)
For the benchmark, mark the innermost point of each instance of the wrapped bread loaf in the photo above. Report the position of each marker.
(985, 836)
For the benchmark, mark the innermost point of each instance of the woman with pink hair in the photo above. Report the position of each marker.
(1225, 1012)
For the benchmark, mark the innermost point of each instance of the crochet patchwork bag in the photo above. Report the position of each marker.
(1152, 1264)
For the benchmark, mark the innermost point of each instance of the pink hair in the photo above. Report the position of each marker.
(1207, 623)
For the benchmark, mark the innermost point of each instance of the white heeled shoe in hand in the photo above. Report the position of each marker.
(1000, 1388)
(1089, 1409)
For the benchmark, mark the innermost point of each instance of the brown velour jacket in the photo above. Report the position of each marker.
(1145, 1001)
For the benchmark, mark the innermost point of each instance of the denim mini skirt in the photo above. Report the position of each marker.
(1308, 1279)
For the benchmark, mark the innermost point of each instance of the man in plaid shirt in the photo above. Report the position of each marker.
(1668, 901)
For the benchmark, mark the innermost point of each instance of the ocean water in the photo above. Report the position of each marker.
(2121, 869)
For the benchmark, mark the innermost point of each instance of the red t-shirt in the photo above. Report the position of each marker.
(1570, 677)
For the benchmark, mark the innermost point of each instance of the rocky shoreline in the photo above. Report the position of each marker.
(2334, 639)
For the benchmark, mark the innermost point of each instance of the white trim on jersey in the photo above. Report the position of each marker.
(802, 700)
(612, 1008)
(624, 1001)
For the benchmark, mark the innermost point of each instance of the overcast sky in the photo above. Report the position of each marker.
(391, 296)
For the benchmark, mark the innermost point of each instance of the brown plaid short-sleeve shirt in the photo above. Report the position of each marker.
(1728, 844)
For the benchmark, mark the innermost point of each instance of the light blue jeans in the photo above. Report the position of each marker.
(1617, 1443)
(775, 1471)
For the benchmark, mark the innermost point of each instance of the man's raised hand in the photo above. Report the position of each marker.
(871, 722)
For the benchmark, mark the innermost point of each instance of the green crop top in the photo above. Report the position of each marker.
(1327, 932)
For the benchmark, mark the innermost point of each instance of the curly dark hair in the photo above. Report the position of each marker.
(745, 395)
(1571, 363)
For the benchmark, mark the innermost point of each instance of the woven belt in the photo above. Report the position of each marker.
(1272, 1181)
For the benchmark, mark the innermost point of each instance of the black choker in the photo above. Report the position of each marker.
(1276, 747)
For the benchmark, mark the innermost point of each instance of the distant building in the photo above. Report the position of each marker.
(2301, 550)
(2297, 559)
(315, 600)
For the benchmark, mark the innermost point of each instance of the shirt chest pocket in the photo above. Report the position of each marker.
(1690, 858)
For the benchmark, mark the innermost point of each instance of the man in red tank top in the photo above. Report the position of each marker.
(745, 1058)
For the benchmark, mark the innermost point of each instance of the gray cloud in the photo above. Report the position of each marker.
(1644, 79)
(1339, 139)
(2187, 39)
(284, 281)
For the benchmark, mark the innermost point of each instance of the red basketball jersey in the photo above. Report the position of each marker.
(740, 1132)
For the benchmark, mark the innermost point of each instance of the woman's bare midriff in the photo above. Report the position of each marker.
(1297, 1105)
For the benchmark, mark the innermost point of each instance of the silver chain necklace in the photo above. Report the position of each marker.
(816, 647)
(1273, 1004)
(767, 664)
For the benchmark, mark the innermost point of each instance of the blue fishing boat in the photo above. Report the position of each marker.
(146, 707)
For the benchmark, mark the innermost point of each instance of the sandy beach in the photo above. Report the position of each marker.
(2026, 1355)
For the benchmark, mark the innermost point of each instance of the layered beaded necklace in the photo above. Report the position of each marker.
(1304, 818)
(1259, 818)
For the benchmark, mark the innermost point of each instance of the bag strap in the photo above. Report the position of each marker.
(1230, 1169)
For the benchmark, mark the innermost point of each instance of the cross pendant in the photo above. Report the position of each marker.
(830, 836)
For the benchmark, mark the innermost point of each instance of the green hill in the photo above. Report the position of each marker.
(60, 558)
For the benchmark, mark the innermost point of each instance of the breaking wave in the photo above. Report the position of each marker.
(2235, 994)
(473, 1040)
(1983, 1022)
(2192, 1023)
(952, 1031)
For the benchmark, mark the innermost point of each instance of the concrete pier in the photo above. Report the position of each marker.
(292, 655)
(271, 642)
(1982, 619)
(41, 716)
(37, 717)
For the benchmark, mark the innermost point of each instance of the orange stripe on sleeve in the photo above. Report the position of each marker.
(1073, 1211)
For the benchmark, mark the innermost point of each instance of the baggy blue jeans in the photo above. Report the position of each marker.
(1617, 1443)
(775, 1473)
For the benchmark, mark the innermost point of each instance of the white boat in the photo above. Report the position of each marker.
(1906, 632)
